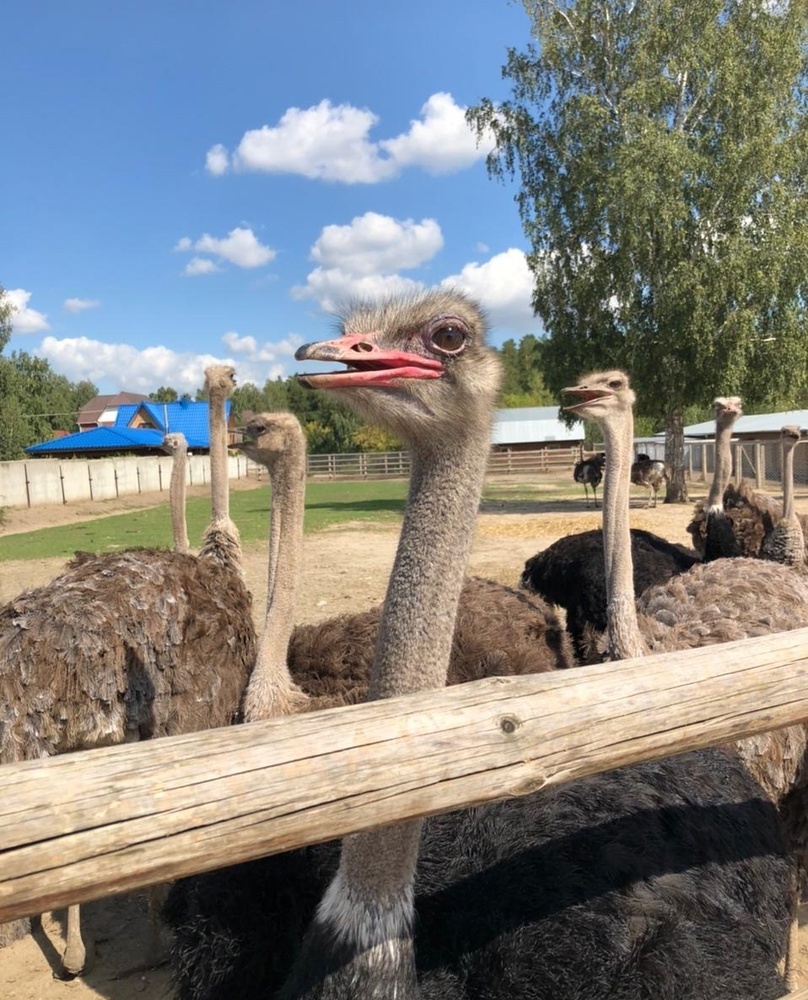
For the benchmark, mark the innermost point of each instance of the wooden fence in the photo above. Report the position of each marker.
(87, 825)
(396, 464)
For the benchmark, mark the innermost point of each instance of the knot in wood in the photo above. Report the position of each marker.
(508, 724)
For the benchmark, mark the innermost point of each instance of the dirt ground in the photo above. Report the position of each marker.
(345, 570)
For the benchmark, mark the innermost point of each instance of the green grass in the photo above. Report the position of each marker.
(327, 504)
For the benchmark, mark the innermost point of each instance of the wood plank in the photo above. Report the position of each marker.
(92, 824)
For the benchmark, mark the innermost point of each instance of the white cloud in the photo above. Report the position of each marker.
(504, 286)
(333, 287)
(123, 366)
(442, 143)
(200, 265)
(325, 142)
(24, 319)
(360, 260)
(253, 353)
(79, 305)
(332, 143)
(217, 160)
(373, 243)
(240, 247)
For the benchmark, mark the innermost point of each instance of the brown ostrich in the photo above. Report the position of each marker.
(710, 527)
(128, 646)
(650, 473)
(498, 631)
(785, 543)
(626, 885)
(176, 446)
(710, 603)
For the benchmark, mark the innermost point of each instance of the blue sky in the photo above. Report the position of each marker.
(183, 182)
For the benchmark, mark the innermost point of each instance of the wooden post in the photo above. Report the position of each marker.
(760, 465)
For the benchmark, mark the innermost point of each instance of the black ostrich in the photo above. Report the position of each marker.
(667, 879)
(589, 472)
(569, 573)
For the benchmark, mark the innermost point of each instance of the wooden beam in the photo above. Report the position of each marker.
(86, 825)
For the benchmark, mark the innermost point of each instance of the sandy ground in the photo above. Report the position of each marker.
(346, 570)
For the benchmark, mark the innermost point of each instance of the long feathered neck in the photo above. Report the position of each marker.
(360, 943)
(221, 541)
(789, 511)
(271, 691)
(723, 464)
(624, 635)
(176, 493)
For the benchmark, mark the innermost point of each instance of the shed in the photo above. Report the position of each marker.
(528, 427)
(755, 426)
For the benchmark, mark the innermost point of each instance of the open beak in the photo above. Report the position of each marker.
(368, 365)
(585, 395)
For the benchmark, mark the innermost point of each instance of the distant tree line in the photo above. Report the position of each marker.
(35, 402)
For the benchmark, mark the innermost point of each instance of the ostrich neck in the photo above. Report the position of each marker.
(176, 493)
(368, 909)
(723, 465)
(789, 512)
(219, 493)
(625, 639)
(271, 691)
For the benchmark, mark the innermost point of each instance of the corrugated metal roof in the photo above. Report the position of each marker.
(188, 418)
(528, 424)
(754, 423)
(100, 439)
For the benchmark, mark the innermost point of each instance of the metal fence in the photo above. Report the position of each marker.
(758, 462)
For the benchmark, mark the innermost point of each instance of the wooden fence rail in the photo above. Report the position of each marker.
(86, 825)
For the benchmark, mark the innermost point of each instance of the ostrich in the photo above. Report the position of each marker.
(127, 646)
(786, 542)
(710, 527)
(498, 630)
(589, 472)
(622, 887)
(651, 474)
(712, 602)
(569, 573)
(176, 446)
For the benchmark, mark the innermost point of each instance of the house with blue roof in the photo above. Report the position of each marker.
(138, 430)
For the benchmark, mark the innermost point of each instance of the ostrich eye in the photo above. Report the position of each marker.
(449, 337)
(615, 383)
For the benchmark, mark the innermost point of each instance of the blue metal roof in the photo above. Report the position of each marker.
(184, 416)
(100, 439)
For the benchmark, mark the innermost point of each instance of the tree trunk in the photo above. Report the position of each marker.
(675, 458)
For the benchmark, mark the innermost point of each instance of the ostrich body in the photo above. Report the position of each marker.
(607, 888)
(589, 472)
(499, 631)
(127, 646)
(713, 602)
(786, 542)
(650, 473)
(176, 446)
(569, 573)
(710, 527)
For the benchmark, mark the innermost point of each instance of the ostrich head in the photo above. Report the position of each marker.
(418, 365)
(174, 443)
(790, 434)
(602, 395)
(727, 410)
(270, 436)
(221, 380)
